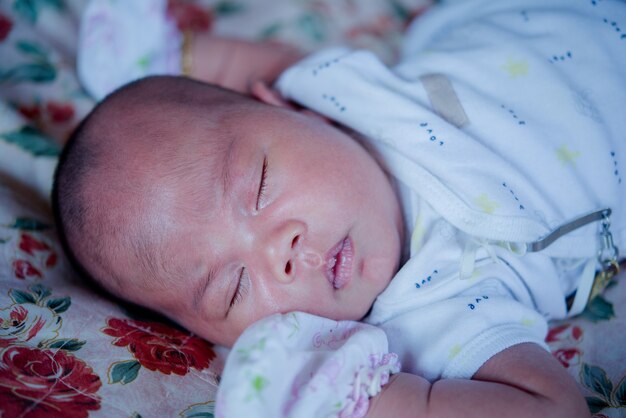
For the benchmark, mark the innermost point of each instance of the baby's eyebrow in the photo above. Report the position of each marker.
(226, 176)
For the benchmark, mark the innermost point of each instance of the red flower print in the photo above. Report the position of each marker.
(189, 16)
(564, 332)
(60, 112)
(5, 27)
(23, 269)
(51, 261)
(567, 356)
(160, 347)
(31, 112)
(40, 256)
(27, 323)
(29, 245)
(38, 383)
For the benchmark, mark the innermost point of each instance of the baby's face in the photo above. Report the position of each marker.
(300, 217)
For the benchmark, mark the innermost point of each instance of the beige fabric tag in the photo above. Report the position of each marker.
(444, 99)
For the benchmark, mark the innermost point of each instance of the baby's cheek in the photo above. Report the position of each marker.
(268, 300)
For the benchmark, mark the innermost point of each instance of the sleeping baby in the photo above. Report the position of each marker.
(372, 241)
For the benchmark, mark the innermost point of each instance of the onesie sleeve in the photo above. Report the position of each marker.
(122, 41)
(301, 365)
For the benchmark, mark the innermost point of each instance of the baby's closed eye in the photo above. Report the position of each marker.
(240, 289)
(262, 185)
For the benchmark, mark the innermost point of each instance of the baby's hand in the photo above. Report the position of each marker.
(521, 381)
(236, 64)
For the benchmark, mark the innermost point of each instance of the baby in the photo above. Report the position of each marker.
(482, 174)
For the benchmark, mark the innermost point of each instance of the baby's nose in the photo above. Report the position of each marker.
(283, 249)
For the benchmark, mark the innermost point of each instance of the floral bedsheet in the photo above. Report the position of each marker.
(67, 351)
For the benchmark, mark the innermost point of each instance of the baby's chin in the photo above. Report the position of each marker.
(354, 310)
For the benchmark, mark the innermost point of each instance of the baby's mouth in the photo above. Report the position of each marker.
(339, 263)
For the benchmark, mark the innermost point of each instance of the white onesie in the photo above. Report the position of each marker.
(502, 122)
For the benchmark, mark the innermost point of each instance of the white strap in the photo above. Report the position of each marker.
(584, 288)
(468, 258)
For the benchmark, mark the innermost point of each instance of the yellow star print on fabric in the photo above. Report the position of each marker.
(475, 274)
(418, 234)
(515, 68)
(454, 351)
(486, 204)
(567, 156)
(527, 322)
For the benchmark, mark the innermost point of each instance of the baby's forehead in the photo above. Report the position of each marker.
(179, 159)
(159, 162)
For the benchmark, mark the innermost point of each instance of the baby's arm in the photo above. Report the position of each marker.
(521, 381)
(236, 63)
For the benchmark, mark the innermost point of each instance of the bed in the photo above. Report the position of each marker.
(68, 351)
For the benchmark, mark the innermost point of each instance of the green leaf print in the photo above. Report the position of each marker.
(69, 344)
(400, 11)
(599, 309)
(31, 140)
(596, 380)
(313, 26)
(19, 296)
(59, 305)
(37, 72)
(33, 49)
(29, 9)
(245, 353)
(225, 8)
(42, 292)
(124, 372)
(29, 224)
(271, 31)
(26, 9)
(144, 62)
(203, 410)
(201, 415)
(595, 405)
(620, 393)
(56, 4)
(258, 384)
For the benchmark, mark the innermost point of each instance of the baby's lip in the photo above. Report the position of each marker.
(338, 263)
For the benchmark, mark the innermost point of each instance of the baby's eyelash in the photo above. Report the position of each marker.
(241, 288)
(262, 185)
